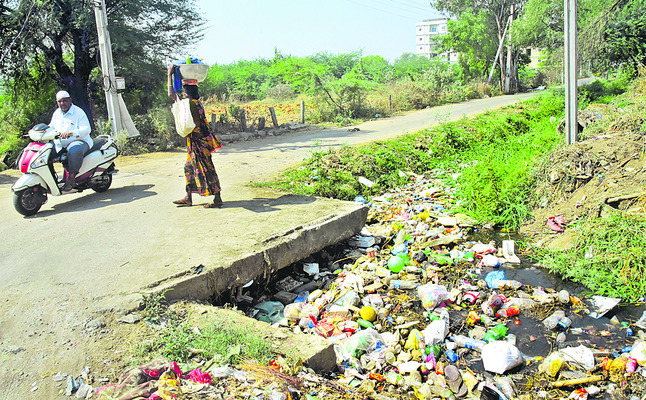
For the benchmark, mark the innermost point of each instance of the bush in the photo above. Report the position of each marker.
(281, 92)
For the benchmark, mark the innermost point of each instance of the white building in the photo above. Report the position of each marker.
(425, 31)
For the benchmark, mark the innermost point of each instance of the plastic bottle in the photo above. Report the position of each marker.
(497, 332)
(560, 338)
(450, 354)
(552, 321)
(565, 322)
(564, 296)
(509, 284)
(508, 312)
(302, 297)
(401, 284)
(469, 343)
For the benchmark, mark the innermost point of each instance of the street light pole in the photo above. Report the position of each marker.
(570, 58)
(107, 67)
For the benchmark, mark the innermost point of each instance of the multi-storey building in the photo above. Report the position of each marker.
(425, 32)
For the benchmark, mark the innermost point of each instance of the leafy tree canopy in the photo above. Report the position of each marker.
(59, 39)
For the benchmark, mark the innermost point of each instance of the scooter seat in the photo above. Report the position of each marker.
(98, 143)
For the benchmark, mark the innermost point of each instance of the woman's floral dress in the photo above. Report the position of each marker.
(199, 170)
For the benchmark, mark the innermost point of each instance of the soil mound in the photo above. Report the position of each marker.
(593, 176)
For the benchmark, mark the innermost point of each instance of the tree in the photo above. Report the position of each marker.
(410, 65)
(625, 35)
(59, 39)
(474, 38)
(502, 13)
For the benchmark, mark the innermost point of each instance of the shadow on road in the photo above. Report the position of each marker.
(122, 195)
(266, 204)
(6, 179)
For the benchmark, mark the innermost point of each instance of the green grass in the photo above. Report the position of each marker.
(608, 257)
(222, 344)
(217, 345)
(494, 152)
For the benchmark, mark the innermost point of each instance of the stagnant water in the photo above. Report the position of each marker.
(532, 339)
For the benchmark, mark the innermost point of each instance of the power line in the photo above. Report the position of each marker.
(389, 12)
(429, 8)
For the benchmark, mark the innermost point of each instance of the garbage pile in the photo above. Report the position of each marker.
(416, 310)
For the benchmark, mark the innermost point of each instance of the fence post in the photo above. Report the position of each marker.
(214, 121)
(390, 102)
(261, 123)
(243, 120)
(302, 111)
(274, 120)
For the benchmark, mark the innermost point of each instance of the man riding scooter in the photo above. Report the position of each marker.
(74, 128)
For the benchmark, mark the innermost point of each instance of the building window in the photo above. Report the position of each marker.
(529, 51)
(434, 29)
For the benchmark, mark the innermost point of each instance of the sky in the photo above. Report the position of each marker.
(252, 29)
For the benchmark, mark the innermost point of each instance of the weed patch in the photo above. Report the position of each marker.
(609, 256)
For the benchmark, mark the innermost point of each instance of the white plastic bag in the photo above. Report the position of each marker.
(432, 295)
(184, 123)
(500, 356)
(581, 356)
(638, 352)
(435, 332)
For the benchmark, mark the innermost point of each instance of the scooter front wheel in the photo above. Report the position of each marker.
(28, 201)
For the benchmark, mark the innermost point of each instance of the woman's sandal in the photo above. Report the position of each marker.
(183, 203)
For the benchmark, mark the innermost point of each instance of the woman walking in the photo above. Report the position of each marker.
(199, 170)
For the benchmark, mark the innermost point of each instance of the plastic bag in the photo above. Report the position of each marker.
(552, 364)
(361, 342)
(500, 356)
(581, 356)
(432, 295)
(493, 277)
(293, 311)
(435, 332)
(184, 123)
(638, 352)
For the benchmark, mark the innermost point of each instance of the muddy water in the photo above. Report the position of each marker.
(532, 338)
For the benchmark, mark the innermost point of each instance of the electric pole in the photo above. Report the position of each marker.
(107, 67)
(570, 57)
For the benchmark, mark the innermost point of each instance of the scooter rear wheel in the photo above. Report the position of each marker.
(102, 185)
(28, 201)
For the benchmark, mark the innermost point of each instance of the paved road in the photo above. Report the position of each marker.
(88, 253)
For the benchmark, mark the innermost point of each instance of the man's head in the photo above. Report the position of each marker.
(64, 101)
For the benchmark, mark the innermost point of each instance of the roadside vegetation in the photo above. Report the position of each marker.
(608, 256)
(495, 161)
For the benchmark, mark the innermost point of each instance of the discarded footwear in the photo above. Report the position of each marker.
(551, 223)
(454, 381)
(508, 252)
(560, 221)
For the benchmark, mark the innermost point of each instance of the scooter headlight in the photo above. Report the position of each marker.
(39, 161)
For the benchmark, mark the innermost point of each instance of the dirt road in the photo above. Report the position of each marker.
(86, 257)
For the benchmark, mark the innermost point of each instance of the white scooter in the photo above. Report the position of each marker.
(37, 164)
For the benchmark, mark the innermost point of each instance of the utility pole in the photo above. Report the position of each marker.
(570, 57)
(508, 68)
(107, 67)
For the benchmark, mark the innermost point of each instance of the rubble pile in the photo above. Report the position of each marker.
(417, 310)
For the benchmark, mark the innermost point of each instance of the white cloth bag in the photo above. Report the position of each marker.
(184, 123)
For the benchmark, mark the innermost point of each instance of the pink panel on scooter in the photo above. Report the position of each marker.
(28, 155)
